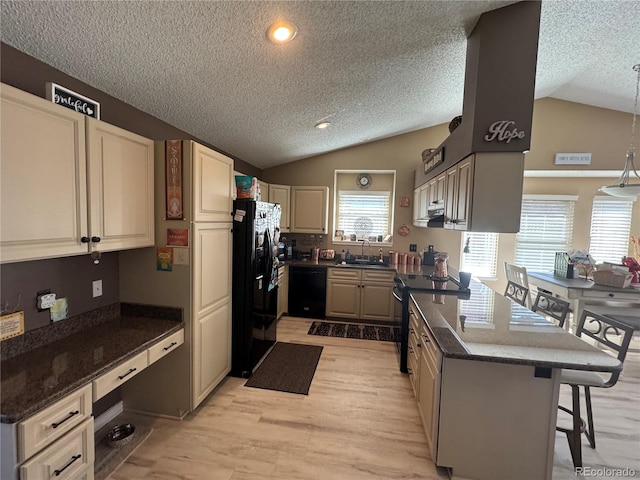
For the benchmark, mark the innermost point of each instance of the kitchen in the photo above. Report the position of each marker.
(404, 149)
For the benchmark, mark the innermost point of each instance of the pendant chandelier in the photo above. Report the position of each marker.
(623, 188)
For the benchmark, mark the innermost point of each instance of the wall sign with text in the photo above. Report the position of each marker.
(70, 99)
(503, 131)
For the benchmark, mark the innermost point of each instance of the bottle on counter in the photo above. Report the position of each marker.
(440, 262)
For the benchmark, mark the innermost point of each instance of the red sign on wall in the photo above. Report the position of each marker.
(178, 237)
(173, 179)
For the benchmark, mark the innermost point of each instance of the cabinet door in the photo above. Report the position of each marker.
(343, 299)
(121, 183)
(212, 185)
(464, 188)
(377, 302)
(309, 209)
(450, 197)
(427, 399)
(440, 188)
(264, 190)
(43, 178)
(211, 307)
(416, 207)
(282, 194)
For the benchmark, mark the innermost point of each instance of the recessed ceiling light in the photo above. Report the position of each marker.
(281, 32)
(323, 124)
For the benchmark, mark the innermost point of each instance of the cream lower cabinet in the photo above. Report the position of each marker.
(310, 210)
(283, 290)
(70, 184)
(360, 294)
(211, 307)
(281, 194)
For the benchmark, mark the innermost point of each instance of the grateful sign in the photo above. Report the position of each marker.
(74, 101)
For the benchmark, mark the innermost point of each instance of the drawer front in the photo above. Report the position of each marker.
(378, 275)
(120, 374)
(46, 426)
(165, 346)
(412, 368)
(344, 273)
(604, 295)
(430, 347)
(414, 340)
(69, 457)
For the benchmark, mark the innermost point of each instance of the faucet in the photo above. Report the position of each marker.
(363, 242)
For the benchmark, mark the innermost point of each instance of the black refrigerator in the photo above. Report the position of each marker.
(256, 233)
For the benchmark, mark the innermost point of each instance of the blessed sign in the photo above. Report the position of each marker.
(74, 101)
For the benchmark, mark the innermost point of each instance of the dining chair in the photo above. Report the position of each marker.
(517, 293)
(518, 275)
(551, 306)
(611, 335)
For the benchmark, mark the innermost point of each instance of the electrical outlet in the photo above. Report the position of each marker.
(413, 247)
(45, 300)
(97, 288)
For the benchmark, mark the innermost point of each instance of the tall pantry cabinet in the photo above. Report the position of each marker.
(199, 281)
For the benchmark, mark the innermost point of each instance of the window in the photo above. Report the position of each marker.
(483, 254)
(364, 210)
(546, 227)
(610, 229)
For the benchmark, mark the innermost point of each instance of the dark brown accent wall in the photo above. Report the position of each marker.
(31, 75)
(72, 277)
(69, 277)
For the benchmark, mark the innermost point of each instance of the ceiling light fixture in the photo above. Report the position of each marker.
(281, 32)
(323, 124)
(624, 188)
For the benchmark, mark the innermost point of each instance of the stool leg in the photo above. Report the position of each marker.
(589, 432)
(574, 437)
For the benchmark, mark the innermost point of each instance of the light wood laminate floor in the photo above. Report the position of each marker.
(359, 421)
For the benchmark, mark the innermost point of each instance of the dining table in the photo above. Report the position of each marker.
(583, 292)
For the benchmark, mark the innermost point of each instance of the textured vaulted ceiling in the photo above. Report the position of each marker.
(373, 68)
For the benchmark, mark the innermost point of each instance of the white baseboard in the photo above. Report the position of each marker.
(107, 416)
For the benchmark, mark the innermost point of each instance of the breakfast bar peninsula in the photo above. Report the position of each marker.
(486, 374)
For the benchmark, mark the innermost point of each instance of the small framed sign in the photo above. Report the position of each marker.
(436, 158)
(11, 325)
(74, 101)
(173, 179)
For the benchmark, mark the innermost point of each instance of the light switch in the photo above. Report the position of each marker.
(97, 288)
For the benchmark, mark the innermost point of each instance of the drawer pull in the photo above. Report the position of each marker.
(71, 414)
(409, 371)
(425, 338)
(412, 330)
(73, 459)
(131, 370)
(170, 346)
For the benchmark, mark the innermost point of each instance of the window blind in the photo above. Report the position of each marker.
(363, 213)
(483, 254)
(546, 227)
(610, 229)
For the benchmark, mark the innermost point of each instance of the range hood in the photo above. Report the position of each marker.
(499, 86)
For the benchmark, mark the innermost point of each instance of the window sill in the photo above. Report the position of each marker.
(359, 243)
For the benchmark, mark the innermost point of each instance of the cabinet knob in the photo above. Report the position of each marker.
(85, 239)
(454, 221)
(95, 239)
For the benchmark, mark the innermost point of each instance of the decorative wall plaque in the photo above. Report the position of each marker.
(173, 179)
(72, 100)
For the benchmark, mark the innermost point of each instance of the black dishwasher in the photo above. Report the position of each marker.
(307, 291)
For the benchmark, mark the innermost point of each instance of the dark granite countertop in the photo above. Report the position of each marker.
(496, 329)
(35, 379)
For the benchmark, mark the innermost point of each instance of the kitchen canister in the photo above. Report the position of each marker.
(393, 257)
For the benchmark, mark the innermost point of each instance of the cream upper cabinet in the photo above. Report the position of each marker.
(309, 209)
(70, 184)
(44, 178)
(120, 169)
(265, 188)
(281, 194)
(213, 184)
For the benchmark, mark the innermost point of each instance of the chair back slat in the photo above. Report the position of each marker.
(518, 275)
(551, 306)
(609, 333)
(517, 293)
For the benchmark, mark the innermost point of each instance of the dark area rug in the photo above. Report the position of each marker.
(289, 367)
(382, 333)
